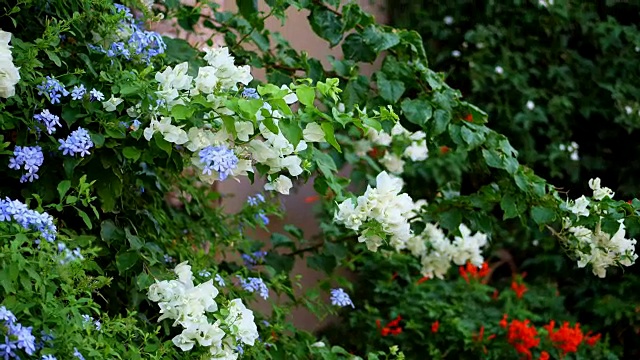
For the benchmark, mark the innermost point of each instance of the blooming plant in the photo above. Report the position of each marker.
(115, 137)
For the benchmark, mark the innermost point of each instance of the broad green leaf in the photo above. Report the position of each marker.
(126, 260)
(328, 130)
(390, 90)
(63, 187)
(380, 40)
(417, 111)
(131, 152)
(542, 215)
(326, 24)
(306, 94)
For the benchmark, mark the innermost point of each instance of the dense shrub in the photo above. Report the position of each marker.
(114, 243)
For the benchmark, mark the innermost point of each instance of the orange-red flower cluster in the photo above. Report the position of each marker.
(468, 118)
(392, 328)
(567, 339)
(544, 356)
(422, 279)
(522, 336)
(470, 271)
(519, 289)
(435, 326)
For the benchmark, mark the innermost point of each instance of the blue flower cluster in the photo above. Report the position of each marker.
(53, 89)
(49, 120)
(250, 93)
(90, 320)
(78, 92)
(69, 255)
(78, 142)
(77, 354)
(340, 298)
(28, 158)
(28, 219)
(16, 336)
(218, 158)
(95, 95)
(251, 260)
(204, 273)
(255, 284)
(254, 201)
(140, 44)
(220, 280)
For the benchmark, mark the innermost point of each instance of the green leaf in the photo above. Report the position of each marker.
(53, 57)
(329, 135)
(471, 137)
(247, 8)
(63, 187)
(380, 40)
(280, 240)
(110, 232)
(291, 131)
(325, 163)
(182, 112)
(135, 242)
(354, 48)
(493, 158)
(441, 121)
(326, 24)
(390, 90)
(126, 260)
(85, 218)
(508, 205)
(131, 152)
(417, 111)
(306, 94)
(542, 215)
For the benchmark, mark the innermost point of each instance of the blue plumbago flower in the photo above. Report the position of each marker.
(29, 159)
(7, 348)
(49, 120)
(77, 354)
(204, 273)
(7, 316)
(135, 125)
(78, 142)
(95, 95)
(140, 42)
(239, 349)
(69, 256)
(254, 201)
(49, 357)
(340, 298)
(265, 323)
(251, 260)
(28, 219)
(255, 284)
(25, 340)
(78, 92)
(167, 258)
(98, 325)
(53, 88)
(250, 93)
(123, 9)
(220, 280)
(263, 217)
(218, 158)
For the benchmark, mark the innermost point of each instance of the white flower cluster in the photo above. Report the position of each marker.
(436, 252)
(385, 211)
(9, 75)
(216, 81)
(188, 306)
(596, 247)
(572, 148)
(382, 210)
(416, 150)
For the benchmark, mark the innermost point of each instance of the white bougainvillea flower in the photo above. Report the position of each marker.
(9, 74)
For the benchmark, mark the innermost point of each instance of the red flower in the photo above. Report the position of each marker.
(311, 199)
(392, 328)
(423, 279)
(444, 149)
(591, 340)
(435, 326)
(544, 355)
(566, 338)
(522, 337)
(503, 323)
(471, 271)
(480, 335)
(519, 289)
(468, 118)
(495, 294)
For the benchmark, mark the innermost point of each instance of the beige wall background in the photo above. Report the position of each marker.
(298, 212)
